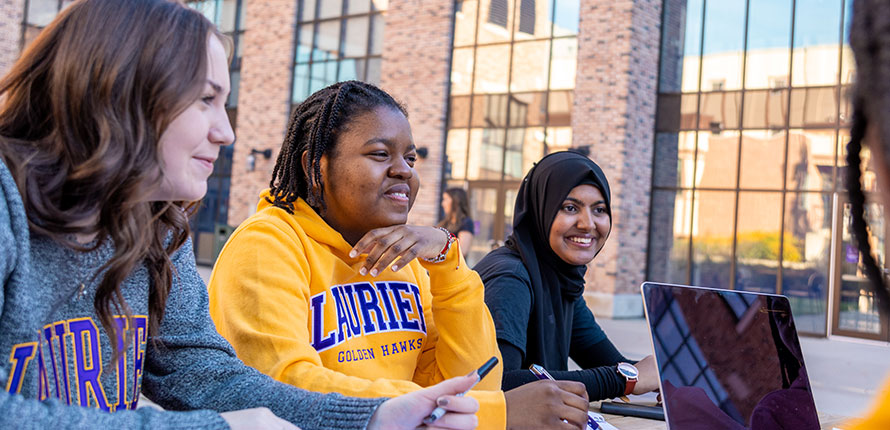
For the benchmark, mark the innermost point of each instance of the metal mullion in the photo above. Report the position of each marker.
(472, 90)
(442, 174)
(757, 190)
(295, 46)
(512, 43)
(738, 170)
(341, 45)
(837, 116)
(833, 278)
(549, 72)
(553, 25)
(781, 274)
(787, 140)
(236, 36)
(25, 26)
(368, 46)
(692, 217)
(652, 185)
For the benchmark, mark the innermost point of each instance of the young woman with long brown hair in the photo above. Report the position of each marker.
(109, 126)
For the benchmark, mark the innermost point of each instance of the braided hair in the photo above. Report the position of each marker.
(313, 129)
(869, 35)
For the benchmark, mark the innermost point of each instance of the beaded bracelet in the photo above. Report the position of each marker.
(441, 257)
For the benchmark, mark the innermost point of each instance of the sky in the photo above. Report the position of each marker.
(816, 22)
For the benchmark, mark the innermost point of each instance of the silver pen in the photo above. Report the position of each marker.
(482, 371)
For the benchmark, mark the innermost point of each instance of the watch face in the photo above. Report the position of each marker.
(628, 370)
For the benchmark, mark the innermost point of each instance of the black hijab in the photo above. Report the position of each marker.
(555, 284)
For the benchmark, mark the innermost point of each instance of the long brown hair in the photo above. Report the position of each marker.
(83, 110)
(459, 211)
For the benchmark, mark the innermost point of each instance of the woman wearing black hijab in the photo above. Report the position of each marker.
(534, 284)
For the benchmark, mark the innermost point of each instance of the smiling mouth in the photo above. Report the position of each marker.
(204, 161)
(580, 241)
(401, 197)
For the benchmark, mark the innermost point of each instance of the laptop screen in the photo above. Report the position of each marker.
(728, 359)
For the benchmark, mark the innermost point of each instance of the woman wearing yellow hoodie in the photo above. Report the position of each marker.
(327, 288)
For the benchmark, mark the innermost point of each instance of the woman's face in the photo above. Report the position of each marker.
(581, 226)
(370, 181)
(190, 144)
(446, 204)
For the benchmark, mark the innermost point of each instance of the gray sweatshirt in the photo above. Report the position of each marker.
(55, 356)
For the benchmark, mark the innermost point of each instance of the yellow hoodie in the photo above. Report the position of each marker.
(287, 296)
(879, 416)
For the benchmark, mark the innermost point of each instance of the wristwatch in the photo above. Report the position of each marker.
(630, 373)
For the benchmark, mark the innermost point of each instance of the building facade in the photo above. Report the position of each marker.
(721, 125)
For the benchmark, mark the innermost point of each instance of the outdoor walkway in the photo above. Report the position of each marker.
(845, 373)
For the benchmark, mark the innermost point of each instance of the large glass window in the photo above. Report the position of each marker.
(512, 76)
(38, 14)
(210, 224)
(746, 147)
(336, 41)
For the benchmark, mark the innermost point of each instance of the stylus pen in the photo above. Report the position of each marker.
(482, 371)
(542, 373)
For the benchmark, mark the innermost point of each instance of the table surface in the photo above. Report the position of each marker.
(633, 423)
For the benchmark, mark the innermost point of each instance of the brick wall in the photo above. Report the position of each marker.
(613, 113)
(11, 15)
(415, 71)
(262, 100)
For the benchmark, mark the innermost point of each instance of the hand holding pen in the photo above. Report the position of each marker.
(481, 372)
(541, 373)
(407, 412)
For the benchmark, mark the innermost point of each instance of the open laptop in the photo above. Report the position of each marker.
(728, 359)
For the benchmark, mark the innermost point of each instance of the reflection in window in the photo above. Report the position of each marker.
(776, 131)
(679, 147)
(529, 72)
(558, 139)
(525, 146)
(336, 44)
(564, 64)
(769, 36)
(559, 108)
(724, 41)
(565, 17)
(758, 242)
(716, 159)
(527, 16)
(486, 153)
(720, 111)
(669, 235)
(762, 160)
(512, 81)
(857, 308)
(765, 109)
(712, 233)
(815, 55)
(807, 228)
(456, 153)
(810, 163)
(492, 69)
(465, 23)
(497, 12)
(814, 107)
